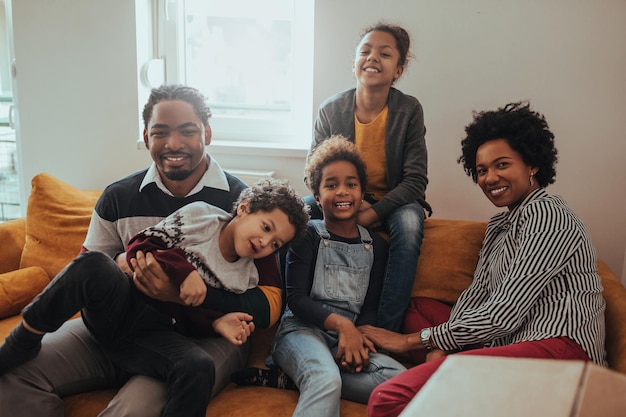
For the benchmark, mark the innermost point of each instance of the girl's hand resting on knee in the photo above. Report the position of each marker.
(352, 349)
(235, 327)
(353, 352)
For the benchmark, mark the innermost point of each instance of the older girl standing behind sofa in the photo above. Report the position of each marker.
(387, 127)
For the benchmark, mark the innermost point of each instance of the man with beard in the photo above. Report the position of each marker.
(176, 132)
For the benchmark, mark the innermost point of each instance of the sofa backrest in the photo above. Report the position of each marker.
(57, 219)
(448, 258)
(12, 236)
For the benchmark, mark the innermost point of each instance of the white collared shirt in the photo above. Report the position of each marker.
(213, 177)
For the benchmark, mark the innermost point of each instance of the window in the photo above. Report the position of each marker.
(252, 59)
(10, 207)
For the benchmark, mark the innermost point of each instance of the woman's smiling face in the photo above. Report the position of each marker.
(502, 174)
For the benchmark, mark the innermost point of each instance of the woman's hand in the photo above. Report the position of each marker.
(151, 280)
(435, 354)
(386, 339)
(234, 327)
(193, 289)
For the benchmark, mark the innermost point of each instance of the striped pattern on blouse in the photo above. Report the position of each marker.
(536, 278)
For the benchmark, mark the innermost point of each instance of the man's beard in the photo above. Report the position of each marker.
(177, 175)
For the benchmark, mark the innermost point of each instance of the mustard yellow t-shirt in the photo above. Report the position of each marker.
(370, 141)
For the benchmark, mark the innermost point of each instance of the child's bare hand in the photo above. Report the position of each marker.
(120, 260)
(193, 290)
(235, 327)
(353, 352)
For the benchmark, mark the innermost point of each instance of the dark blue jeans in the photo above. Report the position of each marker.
(138, 338)
(405, 226)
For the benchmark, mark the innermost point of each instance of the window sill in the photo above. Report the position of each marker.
(251, 148)
(259, 149)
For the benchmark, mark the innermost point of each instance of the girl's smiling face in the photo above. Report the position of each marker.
(376, 60)
(502, 174)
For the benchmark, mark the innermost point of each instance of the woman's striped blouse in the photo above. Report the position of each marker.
(536, 278)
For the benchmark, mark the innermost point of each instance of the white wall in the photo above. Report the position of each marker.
(78, 87)
(5, 77)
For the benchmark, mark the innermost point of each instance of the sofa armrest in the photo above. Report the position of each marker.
(13, 237)
(615, 297)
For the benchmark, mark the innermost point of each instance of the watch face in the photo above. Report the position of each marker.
(425, 336)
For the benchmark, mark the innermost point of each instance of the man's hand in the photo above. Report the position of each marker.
(193, 289)
(235, 327)
(150, 279)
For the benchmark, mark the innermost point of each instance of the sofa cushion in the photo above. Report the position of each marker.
(448, 258)
(236, 401)
(12, 236)
(18, 288)
(57, 218)
(615, 296)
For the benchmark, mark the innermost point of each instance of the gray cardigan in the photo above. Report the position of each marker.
(404, 141)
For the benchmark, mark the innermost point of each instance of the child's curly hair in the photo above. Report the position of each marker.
(335, 148)
(268, 194)
(526, 132)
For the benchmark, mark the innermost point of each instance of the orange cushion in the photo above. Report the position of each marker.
(615, 297)
(12, 236)
(57, 218)
(448, 258)
(18, 288)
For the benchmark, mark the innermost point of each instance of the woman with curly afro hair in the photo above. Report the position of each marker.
(536, 291)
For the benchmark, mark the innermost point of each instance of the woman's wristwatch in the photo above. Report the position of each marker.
(425, 338)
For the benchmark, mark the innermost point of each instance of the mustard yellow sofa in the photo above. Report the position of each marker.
(36, 247)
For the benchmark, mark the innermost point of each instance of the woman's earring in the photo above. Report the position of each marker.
(532, 180)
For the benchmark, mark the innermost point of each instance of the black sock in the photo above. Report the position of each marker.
(21, 345)
(272, 377)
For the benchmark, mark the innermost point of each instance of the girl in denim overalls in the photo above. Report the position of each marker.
(334, 277)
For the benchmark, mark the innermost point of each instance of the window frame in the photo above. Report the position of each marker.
(251, 131)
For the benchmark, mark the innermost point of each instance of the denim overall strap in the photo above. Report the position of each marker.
(320, 227)
(365, 237)
(342, 272)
